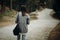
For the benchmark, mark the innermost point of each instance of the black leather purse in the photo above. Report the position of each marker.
(16, 30)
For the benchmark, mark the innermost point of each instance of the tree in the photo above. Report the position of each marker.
(16, 4)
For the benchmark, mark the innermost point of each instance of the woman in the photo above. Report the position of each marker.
(22, 19)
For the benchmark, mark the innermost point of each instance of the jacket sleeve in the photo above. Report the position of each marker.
(28, 19)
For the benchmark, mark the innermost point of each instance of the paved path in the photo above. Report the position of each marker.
(38, 29)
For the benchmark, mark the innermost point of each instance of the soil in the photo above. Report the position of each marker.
(6, 21)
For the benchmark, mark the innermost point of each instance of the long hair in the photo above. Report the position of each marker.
(23, 9)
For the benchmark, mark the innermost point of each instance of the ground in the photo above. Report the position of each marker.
(55, 33)
(39, 29)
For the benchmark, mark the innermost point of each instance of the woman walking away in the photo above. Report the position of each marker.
(23, 20)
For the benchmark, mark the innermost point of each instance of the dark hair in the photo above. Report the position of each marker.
(23, 9)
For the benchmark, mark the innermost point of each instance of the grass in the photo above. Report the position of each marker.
(7, 18)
